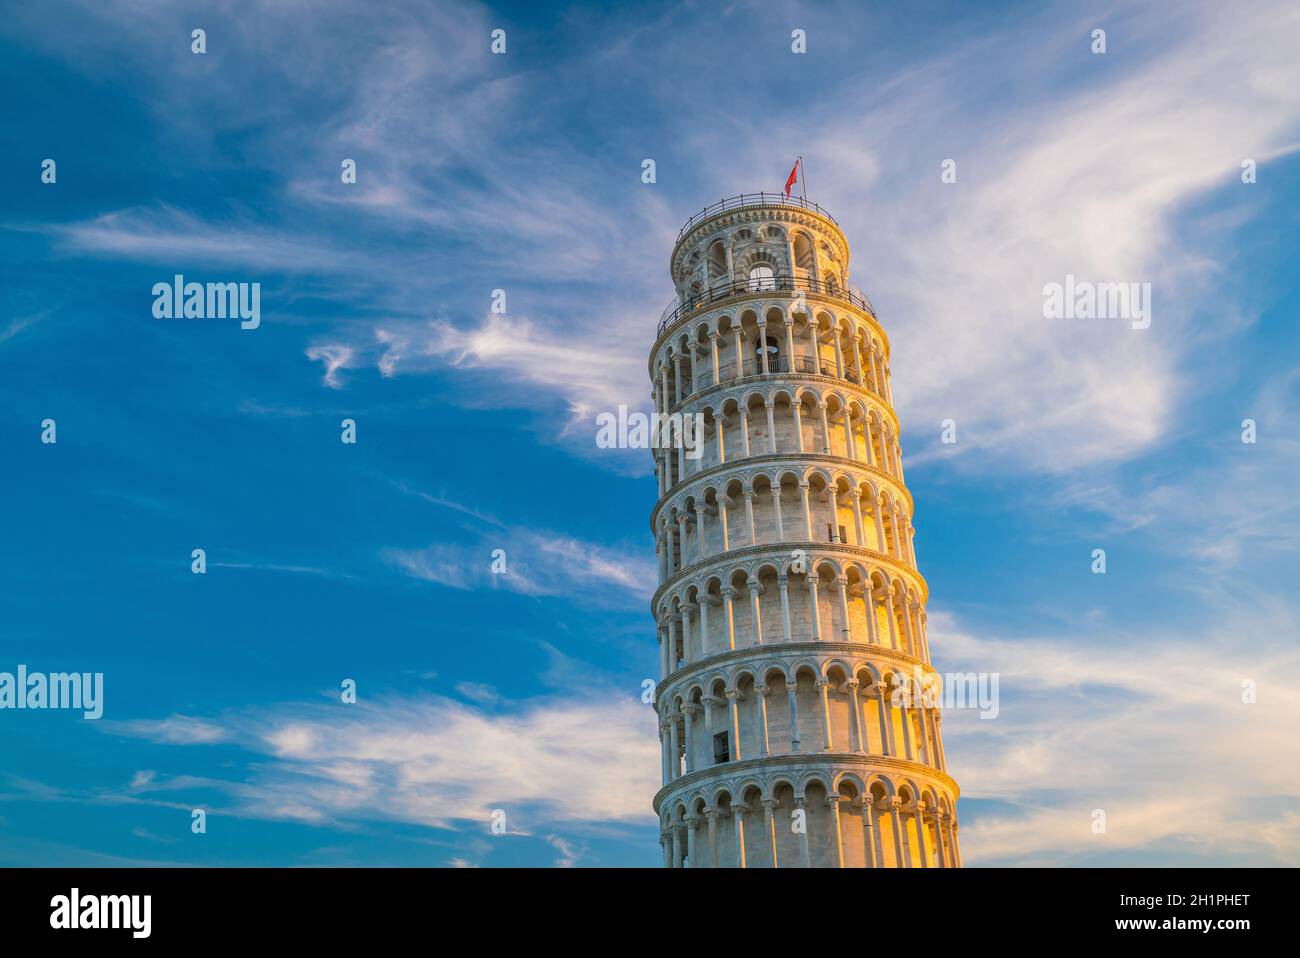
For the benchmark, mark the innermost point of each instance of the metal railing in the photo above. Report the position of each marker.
(752, 199)
(775, 364)
(720, 291)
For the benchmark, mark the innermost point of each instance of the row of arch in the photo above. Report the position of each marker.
(782, 505)
(769, 339)
(753, 241)
(801, 707)
(770, 421)
(771, 601)
(812, 820)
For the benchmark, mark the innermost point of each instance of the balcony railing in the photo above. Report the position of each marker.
(775, 364)
(720, 291)
(752, 199)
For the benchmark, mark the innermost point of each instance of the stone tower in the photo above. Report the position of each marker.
(790, 612)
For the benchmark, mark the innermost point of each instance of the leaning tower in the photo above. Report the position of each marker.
(791, 615)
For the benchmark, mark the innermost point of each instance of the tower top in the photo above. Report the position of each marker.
(752, 199)
(756, 242)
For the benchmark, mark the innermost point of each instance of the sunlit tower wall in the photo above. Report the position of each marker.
(789, 606)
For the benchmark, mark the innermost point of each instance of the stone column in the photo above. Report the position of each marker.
(869, 830)
(857, 517)
(889, 596)
(705, 602)
(729, 613)
(816, 612)
(738, 813)
(796, 408)
(918, 822)
(822, 690)
(749, 517)
(711, 816)
(744, 431)
(789, 345)
(776, 511)
(805, 852)
(733, 698)
(688, 713)
(769, 811)
(843, 583)
(869, 599)
(826, 429)
(882, 713)
(769, 405)
(762, 345)
(676, 767)
(907, 626)
(756, 613)
(691, 822)
(784, 583)
(837, 846)
(764, 746)
(792, 694)
(856, 724)
(895, 809)
(880, 528)
(807, 512)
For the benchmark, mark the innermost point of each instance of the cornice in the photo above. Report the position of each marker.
(815, 550)
(779, 458)
(769, 766)
(670, 684)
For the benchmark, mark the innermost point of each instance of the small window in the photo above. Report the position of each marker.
(761, 277)
(721, 748)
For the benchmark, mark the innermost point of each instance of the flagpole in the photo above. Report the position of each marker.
(803, 178)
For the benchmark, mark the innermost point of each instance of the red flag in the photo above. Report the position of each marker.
(794, 175)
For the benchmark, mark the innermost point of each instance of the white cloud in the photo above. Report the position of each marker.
(1151, 729)
(537, 563)
(434, 761)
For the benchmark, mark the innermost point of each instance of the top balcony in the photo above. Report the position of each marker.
(752, 199)
(759, 284)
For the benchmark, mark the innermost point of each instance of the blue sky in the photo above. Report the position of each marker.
(477, 431)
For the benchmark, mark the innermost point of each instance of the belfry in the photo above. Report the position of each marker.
(790, 612)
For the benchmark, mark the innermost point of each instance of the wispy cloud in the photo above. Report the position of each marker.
(532, 563)
(1151, 729)
(434, 761)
